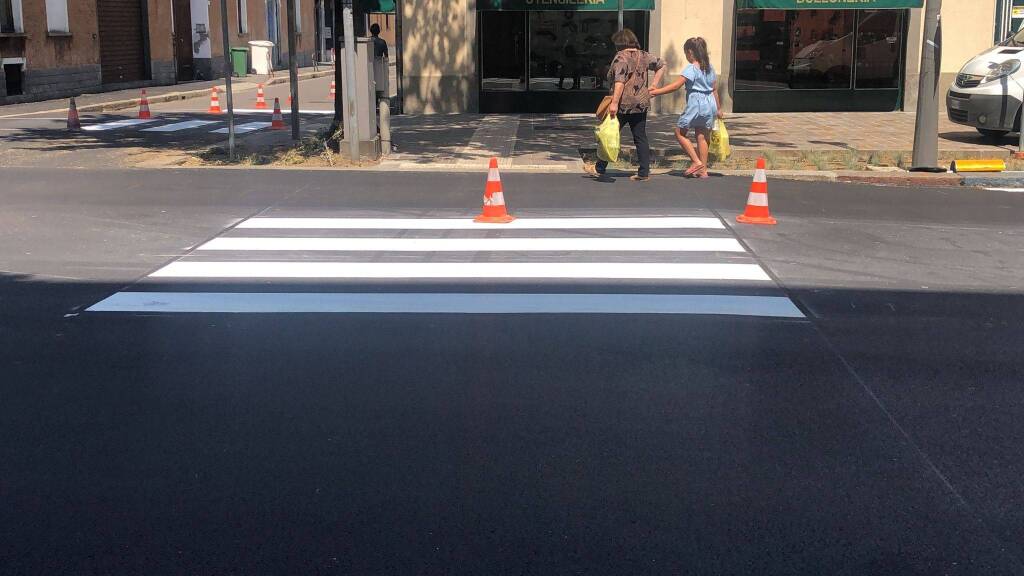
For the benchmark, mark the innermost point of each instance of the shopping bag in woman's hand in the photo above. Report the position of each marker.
(608, 139)
(719, 145)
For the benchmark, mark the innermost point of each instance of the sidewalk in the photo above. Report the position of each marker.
(129, 98)
(554, 142)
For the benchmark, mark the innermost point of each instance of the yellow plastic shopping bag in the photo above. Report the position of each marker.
(719, 145)
(608, 139)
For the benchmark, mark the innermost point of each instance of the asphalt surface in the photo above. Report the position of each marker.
(879, 435)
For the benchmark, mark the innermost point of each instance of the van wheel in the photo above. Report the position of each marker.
(993, 134)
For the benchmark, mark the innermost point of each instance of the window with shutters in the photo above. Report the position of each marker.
(57, 16)
(10, 17)
(243, 17)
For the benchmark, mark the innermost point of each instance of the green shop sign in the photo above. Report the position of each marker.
(376, 5)
(828, 4)
(611, 5)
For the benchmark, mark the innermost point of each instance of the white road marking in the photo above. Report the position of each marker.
(179, 126)
(477, 244)
(1005, 189)
(117, 124)
(243, 128)
(432, 303)
(285, 109)
(447, 270)
(468, 224)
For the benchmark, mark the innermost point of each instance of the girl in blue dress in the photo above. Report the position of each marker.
(702, 106)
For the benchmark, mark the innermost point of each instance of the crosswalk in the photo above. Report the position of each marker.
(172, 125)
(689, 264)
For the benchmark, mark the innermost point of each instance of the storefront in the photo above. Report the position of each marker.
(791, 55)
(550, 55)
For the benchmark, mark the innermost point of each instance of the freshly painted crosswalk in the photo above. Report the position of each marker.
(699, 222)
(476, 244)
(178, 126)
(682, 264)
(243, 128)
(116, 124)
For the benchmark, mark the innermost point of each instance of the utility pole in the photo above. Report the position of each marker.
(621, 15)
(926, 130)
(227, 78)
(352, 122)
(293, 69)
(339, 23)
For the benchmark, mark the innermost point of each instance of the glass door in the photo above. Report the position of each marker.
(503, 51)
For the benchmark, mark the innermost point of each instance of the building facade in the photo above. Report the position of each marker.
(771, 55)
(58, 48)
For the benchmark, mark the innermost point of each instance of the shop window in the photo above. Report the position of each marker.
(57, 16)
(795, 49)
(13, 82)
(10, 17)
(878, 49)
(548, 50)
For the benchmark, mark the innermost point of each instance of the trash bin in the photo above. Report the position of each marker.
(240, 61)
(261, 56)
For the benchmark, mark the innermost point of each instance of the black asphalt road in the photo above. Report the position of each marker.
(883, 435)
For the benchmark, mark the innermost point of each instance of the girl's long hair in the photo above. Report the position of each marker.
(699, 48)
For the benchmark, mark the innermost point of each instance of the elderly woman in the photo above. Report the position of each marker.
(631, 96)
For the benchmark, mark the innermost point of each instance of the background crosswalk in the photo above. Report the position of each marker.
(624, 265)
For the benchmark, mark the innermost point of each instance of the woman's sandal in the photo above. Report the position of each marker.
(692, 171)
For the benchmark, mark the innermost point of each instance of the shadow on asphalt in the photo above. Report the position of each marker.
(451, 444)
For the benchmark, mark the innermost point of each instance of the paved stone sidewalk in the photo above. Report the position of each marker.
(454, 141)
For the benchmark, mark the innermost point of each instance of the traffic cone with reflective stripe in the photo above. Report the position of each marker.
(757, 203)
(494, 211)
(261, 101)
(332, 89)
(73, 121)
(277, 120)
(144, 107)
(214, 102)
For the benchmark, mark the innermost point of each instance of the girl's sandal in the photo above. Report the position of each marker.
(694, 169)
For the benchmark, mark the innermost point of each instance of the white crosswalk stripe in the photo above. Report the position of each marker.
(243, 128)
(178, 126)
(587, 265)
(126, 123)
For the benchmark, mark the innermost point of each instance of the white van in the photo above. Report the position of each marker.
(988, 91)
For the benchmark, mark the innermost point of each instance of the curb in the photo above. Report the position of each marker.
(1001, 180)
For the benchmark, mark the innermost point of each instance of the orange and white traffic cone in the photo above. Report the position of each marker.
(757, 203)
(261, 101)
(214, 102)
(277, 120)
(144, 107)
(494, 211)
(333, 91)
(73, 121)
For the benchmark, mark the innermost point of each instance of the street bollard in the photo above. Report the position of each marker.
(385, 128)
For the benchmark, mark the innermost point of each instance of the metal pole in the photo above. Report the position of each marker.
(926, 130)
(293, 69)
(227, 78)
(349, 83)
(621, 16)
(336, 52)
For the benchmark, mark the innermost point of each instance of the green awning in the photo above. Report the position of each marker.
(563, 4)
(828, 4)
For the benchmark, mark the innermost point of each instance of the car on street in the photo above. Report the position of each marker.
(988, 91)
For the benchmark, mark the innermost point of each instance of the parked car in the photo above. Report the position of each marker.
(988, 92)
